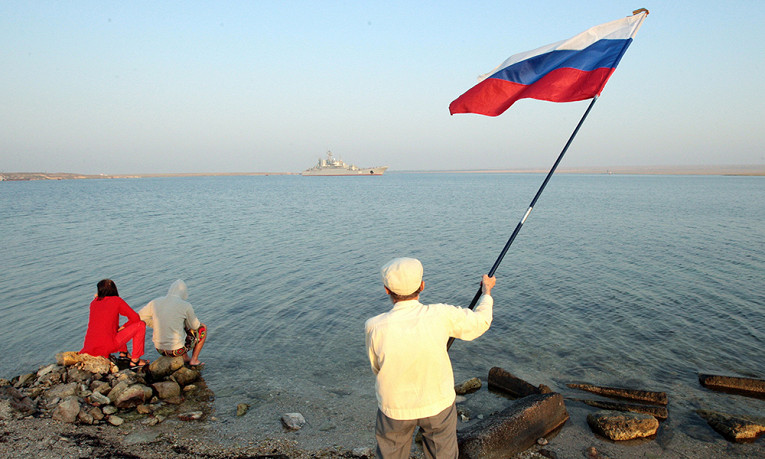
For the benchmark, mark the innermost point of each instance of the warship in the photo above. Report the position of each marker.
(332, 166)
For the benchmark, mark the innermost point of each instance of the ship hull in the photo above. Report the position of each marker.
(339, 171)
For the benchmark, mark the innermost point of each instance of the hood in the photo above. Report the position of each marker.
(179, 289)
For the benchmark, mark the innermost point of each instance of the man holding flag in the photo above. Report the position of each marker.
(400, 342)
(414, 380)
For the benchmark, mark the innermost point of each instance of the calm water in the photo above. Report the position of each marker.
(639, 280)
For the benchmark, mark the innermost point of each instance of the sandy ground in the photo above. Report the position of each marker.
(45, 438)
(339, 423)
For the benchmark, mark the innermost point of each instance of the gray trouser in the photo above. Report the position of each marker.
(439, 435)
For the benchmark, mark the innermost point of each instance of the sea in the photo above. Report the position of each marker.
(639, 281)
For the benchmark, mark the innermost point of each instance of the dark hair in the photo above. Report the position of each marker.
(396, 297)
(107, 287)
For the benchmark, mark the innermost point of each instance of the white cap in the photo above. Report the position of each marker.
(402, 276)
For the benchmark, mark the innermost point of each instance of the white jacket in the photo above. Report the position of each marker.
(170, 316)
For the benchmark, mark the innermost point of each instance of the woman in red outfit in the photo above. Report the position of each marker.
(104, 334)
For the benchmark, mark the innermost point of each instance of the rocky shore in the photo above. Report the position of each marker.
(84, 406)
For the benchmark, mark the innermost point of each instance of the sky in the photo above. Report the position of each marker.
(115, 87)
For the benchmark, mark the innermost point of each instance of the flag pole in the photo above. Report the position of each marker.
(528, 211)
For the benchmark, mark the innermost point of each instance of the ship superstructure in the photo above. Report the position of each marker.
(333, 166)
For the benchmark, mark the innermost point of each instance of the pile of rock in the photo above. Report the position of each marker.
(83, 389)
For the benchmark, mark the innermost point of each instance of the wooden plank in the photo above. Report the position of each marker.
(657, 398)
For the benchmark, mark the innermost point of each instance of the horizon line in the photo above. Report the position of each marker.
(743, 170)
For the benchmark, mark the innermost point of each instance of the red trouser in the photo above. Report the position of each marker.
(135, 331)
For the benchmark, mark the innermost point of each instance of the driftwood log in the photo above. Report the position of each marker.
(733, 384)
(514, 429)
(659, 412)
(735, 428)
(503, 380)
(657, 398)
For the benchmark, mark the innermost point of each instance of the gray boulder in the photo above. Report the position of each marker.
(78, 375)
(165, 366)
(127, 376)
(18, 401)
(96, 413)
(50, 379)
(84, 417)
(24, 380)
(102, 387)
(62, 390)
(115, 392)
(185, 376)
(98, 399)
(123, 396)
(47, 369)
(67, 410)
(167, 389)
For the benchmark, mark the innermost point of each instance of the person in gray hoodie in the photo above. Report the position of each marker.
(176, 329)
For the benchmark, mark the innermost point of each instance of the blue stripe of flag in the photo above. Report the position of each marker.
(601, 54)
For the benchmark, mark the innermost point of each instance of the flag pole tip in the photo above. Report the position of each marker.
(640, 11)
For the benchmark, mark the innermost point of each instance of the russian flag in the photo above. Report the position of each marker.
(566, 71)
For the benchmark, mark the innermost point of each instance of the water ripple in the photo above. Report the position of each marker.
(613, 279)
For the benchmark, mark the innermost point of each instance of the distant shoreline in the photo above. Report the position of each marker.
(745, 170)
(753, 170)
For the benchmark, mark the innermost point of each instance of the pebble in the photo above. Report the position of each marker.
(363, 452)
(143, 409)
(471, 385)
(241, 409)
(293, 421)
(191, 416)
(115, 420)
(150, 421)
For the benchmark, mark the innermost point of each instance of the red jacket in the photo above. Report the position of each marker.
(103, 324)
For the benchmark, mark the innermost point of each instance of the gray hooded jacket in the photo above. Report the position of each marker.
(169, 317)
